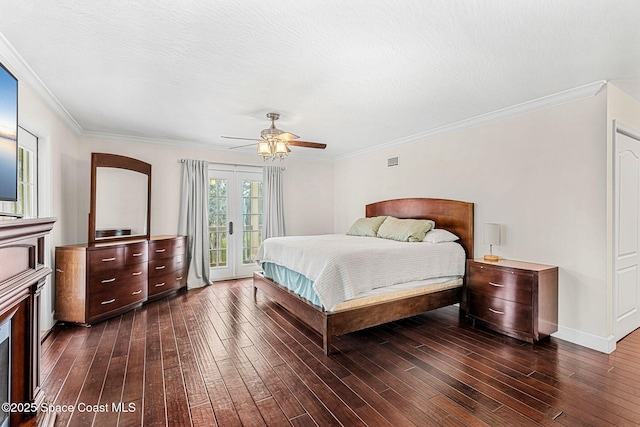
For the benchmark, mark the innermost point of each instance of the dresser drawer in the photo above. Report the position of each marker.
(136, 253)
(501, 283)
(131, 273)
(162, 266)
(506, 314)
(111, 298)
(164, 283)
(106, 259)
(161, 249)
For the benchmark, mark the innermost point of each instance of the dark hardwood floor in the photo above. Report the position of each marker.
(214, 356)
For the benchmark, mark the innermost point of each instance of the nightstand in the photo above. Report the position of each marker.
(515, 298)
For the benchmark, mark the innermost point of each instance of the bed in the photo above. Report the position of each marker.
(360, 313)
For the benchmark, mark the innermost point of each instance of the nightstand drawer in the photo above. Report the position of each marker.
(506, 314)
(501, 283)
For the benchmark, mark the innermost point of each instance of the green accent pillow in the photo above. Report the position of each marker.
(366, 226)
(405, 230)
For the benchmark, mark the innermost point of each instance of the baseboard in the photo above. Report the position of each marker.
(602, 344)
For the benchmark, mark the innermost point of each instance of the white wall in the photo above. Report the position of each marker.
(57, 182)
(542, 175)
(57, 145)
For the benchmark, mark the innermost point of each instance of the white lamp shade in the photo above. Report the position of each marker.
(264, 149)
(492, 234)
(281, 148)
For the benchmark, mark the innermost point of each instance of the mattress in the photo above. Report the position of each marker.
(343, 268)
(303, 287)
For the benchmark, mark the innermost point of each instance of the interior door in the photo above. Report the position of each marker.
(235, 222)
(626, 233)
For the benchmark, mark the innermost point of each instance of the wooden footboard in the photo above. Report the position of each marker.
(330, 324)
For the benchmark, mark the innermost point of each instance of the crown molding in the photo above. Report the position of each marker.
(152, 140)
(584, 91)
(18, 66)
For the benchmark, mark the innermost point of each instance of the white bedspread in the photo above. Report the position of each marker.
(344, 266)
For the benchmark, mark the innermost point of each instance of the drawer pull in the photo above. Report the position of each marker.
(497, 285)
(159, 285)
(495, 311)
(159, 251)
(108, 259)
(59, 271)
(108, 302)
(161, 267)
(138, 254)
(179, 278)
(137, 273)
(136, 292)
(109, 280)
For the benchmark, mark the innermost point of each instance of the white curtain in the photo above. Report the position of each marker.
(273, 202)
(194, 220)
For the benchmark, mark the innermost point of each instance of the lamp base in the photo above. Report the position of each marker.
(492, 258)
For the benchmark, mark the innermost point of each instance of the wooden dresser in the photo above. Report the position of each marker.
(167, 265)
(518, 299)
(102, 280)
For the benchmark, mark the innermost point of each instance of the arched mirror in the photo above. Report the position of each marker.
(120, 198)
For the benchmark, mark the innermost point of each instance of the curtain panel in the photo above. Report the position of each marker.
(273, 202)
(194, 220)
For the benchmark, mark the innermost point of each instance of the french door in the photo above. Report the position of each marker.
(235, 222)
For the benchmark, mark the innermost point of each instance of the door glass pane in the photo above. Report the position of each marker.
(218, 222)
(251, 219)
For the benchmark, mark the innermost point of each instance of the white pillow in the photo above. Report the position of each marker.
(438, 235)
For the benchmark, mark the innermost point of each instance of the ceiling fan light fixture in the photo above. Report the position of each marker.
(272, 149)
(274, 143)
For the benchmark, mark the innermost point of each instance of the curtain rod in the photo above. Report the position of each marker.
(231, 164)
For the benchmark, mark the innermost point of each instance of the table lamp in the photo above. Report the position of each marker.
(491, 237)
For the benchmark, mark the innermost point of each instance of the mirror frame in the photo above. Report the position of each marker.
(105, 160)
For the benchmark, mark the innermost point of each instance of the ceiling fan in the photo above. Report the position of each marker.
(274, 142)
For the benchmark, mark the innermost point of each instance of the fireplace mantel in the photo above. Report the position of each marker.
(22, 275)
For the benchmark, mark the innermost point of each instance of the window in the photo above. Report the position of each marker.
(26, 204)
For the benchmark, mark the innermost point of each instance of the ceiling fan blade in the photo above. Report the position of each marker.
(287, 136)
(237, 137)
(242, 146)
(308, 144)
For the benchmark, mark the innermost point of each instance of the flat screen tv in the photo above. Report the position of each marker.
(8, 136)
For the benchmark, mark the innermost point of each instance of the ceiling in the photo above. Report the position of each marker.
(353, 74)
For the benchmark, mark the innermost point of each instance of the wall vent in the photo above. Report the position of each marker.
(392, 161)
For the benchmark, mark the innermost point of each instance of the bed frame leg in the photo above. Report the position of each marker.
(326, 335)
(255, 293)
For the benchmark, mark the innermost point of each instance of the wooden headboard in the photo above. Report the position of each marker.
(453, 215)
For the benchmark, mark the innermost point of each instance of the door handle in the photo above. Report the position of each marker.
(231, 228)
